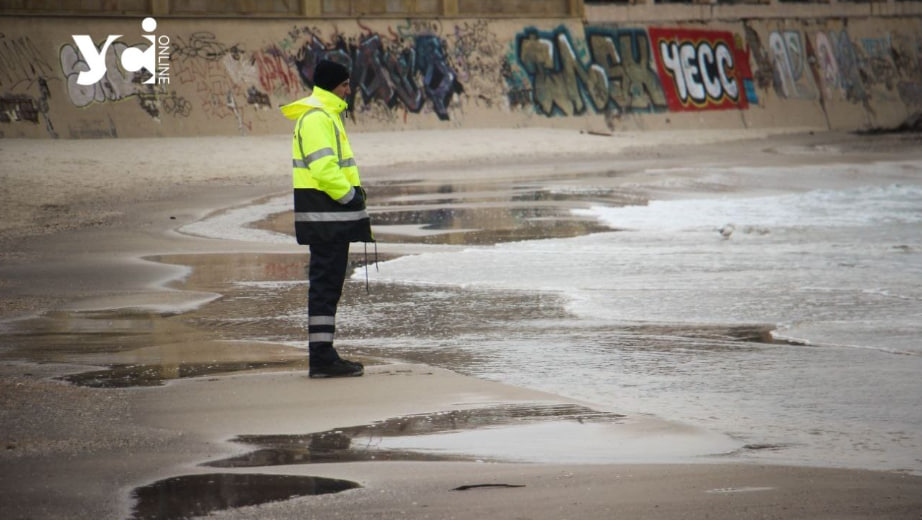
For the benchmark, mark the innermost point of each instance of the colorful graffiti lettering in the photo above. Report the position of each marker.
(439, 80)
(116, 85)
(789, 58)
(275, 75)
(686, 70)
(561, 82)
(374, 79)
(441, 69)
(625, 57)
(850, 67)
(395, 73)
(827, 64)
(403, 75)
(704, 69)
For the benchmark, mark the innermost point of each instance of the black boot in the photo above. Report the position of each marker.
(338, 368)
(325, 362)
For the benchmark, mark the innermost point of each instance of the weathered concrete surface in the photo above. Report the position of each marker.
(616, 70)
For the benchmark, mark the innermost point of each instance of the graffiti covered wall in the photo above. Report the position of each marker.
(179, 77)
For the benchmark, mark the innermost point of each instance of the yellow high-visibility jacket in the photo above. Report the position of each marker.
(328, 198)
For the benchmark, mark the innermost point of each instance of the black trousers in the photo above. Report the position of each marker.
(327, 273)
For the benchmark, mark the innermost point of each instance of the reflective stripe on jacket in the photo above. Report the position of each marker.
(328, 199)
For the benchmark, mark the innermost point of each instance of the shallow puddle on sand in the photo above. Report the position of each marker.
(141, 348)
(474, 214)
(121, 376)
(259, 323)
(198, 495)
(362, 443)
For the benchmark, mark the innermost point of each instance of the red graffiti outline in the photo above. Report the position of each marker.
(740, 70)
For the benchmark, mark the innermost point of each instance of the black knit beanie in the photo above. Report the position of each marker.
(329, 74)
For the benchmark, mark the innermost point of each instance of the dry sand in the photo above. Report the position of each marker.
(74, 232)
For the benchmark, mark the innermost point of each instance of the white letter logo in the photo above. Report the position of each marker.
(133, 59)
(95, 59)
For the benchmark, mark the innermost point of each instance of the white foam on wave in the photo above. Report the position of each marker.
(863, 206)
(824, 256)
(838, 271)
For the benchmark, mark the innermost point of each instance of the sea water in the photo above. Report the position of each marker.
(656, 309)
(791, 322)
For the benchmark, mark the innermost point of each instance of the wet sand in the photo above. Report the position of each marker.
(124, 373)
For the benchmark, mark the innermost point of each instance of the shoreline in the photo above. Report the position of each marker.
(194, 418)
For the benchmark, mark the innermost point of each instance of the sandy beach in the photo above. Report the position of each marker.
(130, 391)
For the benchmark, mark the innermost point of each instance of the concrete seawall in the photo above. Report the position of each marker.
(620, 68)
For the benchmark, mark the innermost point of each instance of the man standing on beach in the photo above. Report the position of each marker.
(329, 207)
